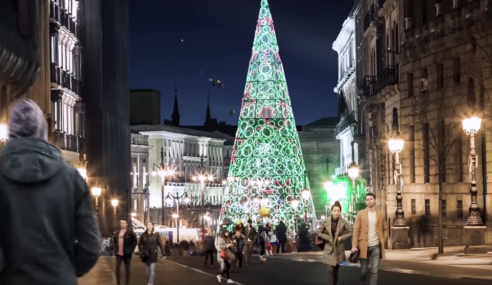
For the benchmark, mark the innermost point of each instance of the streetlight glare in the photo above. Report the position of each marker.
(472, 125)
(175, 216)
(294, 203)
(4, 132)
(353, 171)
(83, 172)
(114, 202)
(133, 214)
(224, 182)
(210, 178)
(305, 194)
(328, 185)
(186, 198)
(96, 192)
(396, 145)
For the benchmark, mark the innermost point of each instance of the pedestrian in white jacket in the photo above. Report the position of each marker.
(219, 259)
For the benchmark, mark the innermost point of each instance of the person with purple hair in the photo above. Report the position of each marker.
(49, 234)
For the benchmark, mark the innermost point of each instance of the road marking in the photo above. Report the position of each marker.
(200, 271)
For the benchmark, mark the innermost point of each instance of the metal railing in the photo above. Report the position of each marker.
(67, 142)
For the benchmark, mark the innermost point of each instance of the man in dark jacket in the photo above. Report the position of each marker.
(49, 233)
(250, 235)
(124, 241)
(281, 231)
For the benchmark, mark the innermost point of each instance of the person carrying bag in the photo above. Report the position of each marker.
(334, 231)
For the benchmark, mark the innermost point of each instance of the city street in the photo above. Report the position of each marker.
(277, 270)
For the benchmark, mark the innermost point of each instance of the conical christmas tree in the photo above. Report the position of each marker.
(267, 172)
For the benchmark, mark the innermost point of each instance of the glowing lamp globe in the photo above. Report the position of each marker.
(396, 145)
(4, 132)
(353, 171)
(294, 203)
(168, 199)
(96, 192)
(305, 194)
(328, 185)
(186, 198)
(472, 125)
(265, 212)
(175, 216)
(114, 202)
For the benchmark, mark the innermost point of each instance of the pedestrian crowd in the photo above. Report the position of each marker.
(50, 234)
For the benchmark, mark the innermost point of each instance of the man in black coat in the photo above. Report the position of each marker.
(49, 232)
(124, 241)
(281, 231)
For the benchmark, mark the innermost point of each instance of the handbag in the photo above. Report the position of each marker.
(230, 256)
(320, 243)
(223, 254)
(354, 257)
(144, 255)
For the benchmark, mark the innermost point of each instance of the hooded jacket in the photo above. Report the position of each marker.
(49, 230)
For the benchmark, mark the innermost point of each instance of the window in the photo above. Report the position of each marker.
(457, 70)
(426, 153)
(440, 75)
(443, 208)
(414, 207)
(410, 84)
(459, 209)
(427, 207)
(412, 154)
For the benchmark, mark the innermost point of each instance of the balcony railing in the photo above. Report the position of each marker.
(345, 123)
(65, 79)
(140, 139)
(67, 142)
(372, 85)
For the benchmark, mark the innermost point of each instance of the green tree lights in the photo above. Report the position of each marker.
(267, 168)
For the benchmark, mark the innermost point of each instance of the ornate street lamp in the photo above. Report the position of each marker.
(396, 146)
(96, 192)
(170, 198)
(353, 173)
(114, 203)
(471, 126)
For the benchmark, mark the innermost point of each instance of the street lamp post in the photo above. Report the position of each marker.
(475, 229)
(305, 194)
(163, 171)
(353, 173)
(202, 178)
(114, 202)
(96, 192)
(170, 198)
(399, 229)
(295, 203)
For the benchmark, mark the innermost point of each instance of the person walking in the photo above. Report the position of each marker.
(149, 244)
(281, 231)
(124, 241)
(239, 249)
(220, 261)
(262, 238)
(225, 246)
(209, 248)
(370, 233)
(50, 234)
(250, 235)
(334, 232)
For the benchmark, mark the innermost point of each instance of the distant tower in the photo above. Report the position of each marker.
(175, 116)
(208, 117)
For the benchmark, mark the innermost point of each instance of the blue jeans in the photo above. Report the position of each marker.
(371, 262)
(150, 272)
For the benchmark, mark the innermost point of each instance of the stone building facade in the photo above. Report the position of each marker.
(423, 66)
(140, 149)
(188, 152)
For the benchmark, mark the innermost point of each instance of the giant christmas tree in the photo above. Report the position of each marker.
(267, 169)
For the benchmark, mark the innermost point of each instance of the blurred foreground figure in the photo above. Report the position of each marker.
(49, 234)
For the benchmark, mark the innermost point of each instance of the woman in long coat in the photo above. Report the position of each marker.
(335, 230)
(148, 245)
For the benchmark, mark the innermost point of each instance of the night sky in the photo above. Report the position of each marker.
(217, 40)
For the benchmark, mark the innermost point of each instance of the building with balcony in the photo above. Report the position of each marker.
(68, 110)
(140, 149)
(349, 129)
(425, 66)
(188, 152)
(320, 150)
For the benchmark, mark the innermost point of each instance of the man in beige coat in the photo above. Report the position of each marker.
(369, 237)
